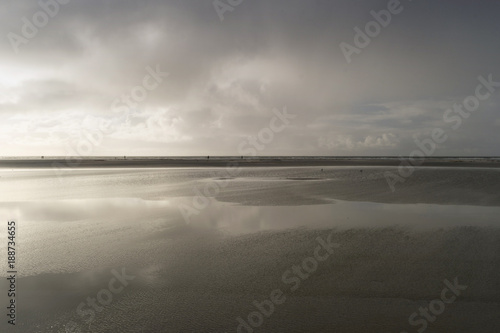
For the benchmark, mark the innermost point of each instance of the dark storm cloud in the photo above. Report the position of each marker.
(225, 78)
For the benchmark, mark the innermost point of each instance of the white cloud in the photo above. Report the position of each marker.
(342, 142)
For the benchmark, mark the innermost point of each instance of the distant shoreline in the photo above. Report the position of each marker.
(137, 162)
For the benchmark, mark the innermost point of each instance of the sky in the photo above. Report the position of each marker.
(257, 77)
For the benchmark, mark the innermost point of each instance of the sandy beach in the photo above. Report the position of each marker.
(392, 253)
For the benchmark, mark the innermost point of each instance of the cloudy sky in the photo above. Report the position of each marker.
(90, 77)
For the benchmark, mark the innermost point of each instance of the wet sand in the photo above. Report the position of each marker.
(395, 249)
(372, 282)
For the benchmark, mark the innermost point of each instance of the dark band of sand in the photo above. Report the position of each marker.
(139, 162)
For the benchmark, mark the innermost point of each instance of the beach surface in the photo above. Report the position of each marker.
(241, 161)
(208, 249)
